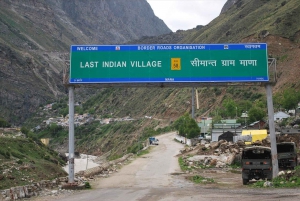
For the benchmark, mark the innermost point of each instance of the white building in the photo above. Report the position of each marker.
(278, 116)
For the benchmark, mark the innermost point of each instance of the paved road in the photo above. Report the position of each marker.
(153, 177)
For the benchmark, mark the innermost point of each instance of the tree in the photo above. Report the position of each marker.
(290, 99)
(277, 101)
(55, 129)
(187, 126)
(244, 105)
(24, 130)
(256, 114)
(230, 107)
(4, 123)
(64, 112)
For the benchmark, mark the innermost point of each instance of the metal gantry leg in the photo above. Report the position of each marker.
(71, 134)
(272, 130)
(193, 103)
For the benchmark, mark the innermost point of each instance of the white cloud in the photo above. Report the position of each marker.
(186, 14)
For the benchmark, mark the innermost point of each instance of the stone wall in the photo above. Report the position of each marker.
(28, 191)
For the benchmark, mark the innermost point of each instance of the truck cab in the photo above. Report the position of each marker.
(287, 155)
(256, 163)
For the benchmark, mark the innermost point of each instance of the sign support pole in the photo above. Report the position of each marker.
(71, 134)
(272, 130)
(193, 103)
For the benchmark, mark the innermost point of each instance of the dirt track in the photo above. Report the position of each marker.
(157, 176)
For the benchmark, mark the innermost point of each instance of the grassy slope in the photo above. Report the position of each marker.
(23, 161)
(250, 17)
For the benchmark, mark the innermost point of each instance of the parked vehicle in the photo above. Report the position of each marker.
(287, 155)
(153, 141)
(208, 137)
(256, 163)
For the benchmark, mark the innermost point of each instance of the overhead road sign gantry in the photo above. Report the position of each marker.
(175, 63)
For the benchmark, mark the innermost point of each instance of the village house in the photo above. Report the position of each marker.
(278, 116)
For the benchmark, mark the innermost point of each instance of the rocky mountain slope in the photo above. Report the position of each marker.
(228, 5)
(241, 21)
(273, 22)
(35, 36)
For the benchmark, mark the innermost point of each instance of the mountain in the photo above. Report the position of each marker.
(228, 5)
(35, 37)
(273, 22)
(242, 21)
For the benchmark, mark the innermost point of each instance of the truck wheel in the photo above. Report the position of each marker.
(245, 181)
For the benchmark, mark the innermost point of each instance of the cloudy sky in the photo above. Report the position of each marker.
(186, 14)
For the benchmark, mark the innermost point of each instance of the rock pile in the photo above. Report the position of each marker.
(35, 189)
(214, 154)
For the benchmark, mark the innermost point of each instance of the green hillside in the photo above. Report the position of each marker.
(24, 161)
(256, 18)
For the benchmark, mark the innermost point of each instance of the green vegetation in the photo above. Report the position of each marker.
(184, 167)
(32, 161)
(187, 126)
(143, 152)
(201, 180)
(230, 107)
(283, 181)
(87, 185)
(287, 99)
(256, 114)
(236, 165)
(242, 21)
(176, 140)
(53, 131)
(4, 123)
(120, 137)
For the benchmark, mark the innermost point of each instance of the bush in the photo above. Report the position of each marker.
(4, 123)
(17, 155)
(20, 162)
(6, 154)
(135, 148)
(25, 130)
(47, 157)
(87, 185)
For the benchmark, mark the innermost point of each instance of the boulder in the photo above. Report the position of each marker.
(223, 147)
(268, 184)
(214, 145)
(257, 143)
(230, 159)
(240, 143)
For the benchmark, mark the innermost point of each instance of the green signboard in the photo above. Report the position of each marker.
(153, 63)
